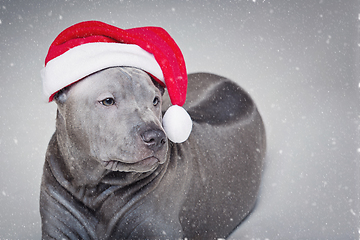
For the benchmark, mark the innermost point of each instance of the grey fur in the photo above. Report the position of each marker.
(97, 185)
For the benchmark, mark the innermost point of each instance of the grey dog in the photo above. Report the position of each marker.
(111, 173)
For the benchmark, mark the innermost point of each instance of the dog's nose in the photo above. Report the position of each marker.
(154, 139)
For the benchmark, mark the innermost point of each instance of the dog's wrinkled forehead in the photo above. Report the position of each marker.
(138, 73)
(132, 72)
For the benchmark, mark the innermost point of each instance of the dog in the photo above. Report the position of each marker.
(111, 173)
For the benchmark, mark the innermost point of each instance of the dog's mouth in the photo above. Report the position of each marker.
(145, 165)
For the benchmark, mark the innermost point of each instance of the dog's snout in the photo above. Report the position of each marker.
(154, 139)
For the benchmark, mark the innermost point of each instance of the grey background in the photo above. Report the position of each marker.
(296, 58)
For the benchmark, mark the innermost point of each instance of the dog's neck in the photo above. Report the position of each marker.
(83, 170)
(93, 192)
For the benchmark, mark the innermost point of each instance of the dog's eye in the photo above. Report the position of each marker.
(156, 101)
(108, 102)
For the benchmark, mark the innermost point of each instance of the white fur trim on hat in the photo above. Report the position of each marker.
(85, 59)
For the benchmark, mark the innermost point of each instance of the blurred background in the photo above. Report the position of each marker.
(297, 59)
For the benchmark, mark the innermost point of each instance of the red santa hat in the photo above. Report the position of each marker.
(91, 46)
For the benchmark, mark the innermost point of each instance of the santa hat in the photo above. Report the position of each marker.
(91, 46)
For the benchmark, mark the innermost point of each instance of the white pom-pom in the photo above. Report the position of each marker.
(177, 124)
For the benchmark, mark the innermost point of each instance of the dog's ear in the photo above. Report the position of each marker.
(61, 96)
(158, 85)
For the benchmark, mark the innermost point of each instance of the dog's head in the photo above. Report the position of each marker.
(114, 117)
